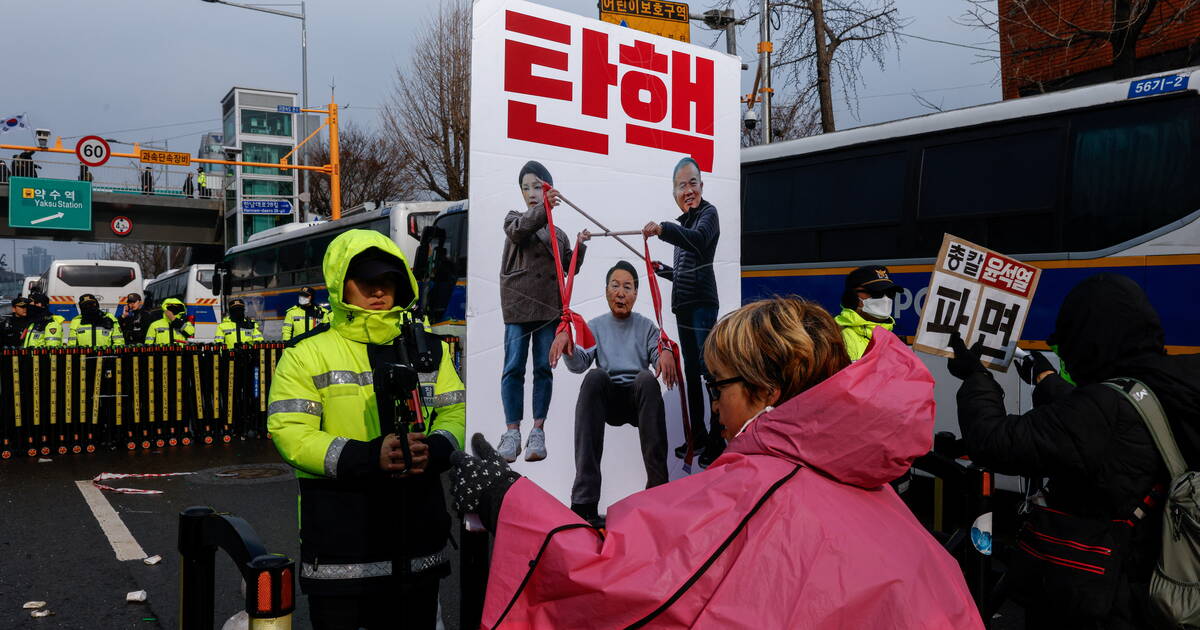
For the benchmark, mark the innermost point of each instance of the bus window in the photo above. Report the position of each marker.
(95, 275)
(205, 278)
(264, 262)
(1011, 173)
(1119, 164)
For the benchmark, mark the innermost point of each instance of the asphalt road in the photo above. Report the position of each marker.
(52, 547)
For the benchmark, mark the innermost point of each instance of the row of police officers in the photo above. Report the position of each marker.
(32, 325)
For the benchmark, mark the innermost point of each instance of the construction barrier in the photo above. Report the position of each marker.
(75, 400)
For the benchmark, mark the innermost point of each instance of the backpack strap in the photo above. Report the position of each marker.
(1148, 407)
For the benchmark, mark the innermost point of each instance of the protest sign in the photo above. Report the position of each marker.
(982, 295)
(607, 113)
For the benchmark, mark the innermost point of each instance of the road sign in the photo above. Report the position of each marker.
(49, 204)
(121, 226)
(266, 206)
(92, 151)
(660, 17)
(287, 109)
(171, 158)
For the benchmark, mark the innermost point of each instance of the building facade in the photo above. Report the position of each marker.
(36, 261)
(257, 131)
(1048, 45)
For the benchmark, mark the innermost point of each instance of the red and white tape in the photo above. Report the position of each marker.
(106, 476)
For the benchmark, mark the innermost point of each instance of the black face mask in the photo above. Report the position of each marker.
(237, 313)
(89, 308)
(175, 308)
(36, 312)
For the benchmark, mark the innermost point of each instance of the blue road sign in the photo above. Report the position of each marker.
(287, 109)
(266, 206)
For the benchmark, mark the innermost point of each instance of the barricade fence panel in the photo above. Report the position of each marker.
(76, 400)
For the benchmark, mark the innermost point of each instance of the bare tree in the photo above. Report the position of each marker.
(150, 257)
(791, 118)
(818, 39)
(372, 169)
(428, 115)
(1032, 28)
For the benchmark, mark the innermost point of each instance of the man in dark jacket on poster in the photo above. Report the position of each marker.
(1086, 438)
(693, 294)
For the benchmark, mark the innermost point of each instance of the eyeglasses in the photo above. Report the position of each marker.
(714, 387)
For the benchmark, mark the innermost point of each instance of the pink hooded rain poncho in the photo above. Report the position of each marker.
(830, 544)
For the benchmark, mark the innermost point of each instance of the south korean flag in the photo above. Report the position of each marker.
(12, 122)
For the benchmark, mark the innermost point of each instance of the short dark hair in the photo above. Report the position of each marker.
(684, 162)
(535, 168)
(623, 266)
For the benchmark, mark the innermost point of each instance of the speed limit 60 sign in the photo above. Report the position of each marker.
(92, 150)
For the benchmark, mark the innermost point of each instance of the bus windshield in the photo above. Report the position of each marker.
(95, 275)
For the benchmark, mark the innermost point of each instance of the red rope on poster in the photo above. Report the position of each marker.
(665, 342)
(572, 322)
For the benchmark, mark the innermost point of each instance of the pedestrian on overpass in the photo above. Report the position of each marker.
(202, 180)
(45, 329)
(173, 328)
(147, 181)
(135, 319)
(3, 172)
(866, 305)
(236, 328)
(188, 186)
(93, 328)
(304, 316)
(373, 528)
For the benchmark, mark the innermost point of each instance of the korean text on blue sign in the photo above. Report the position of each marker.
(267, 206)
(287, 109)
(1157, 85)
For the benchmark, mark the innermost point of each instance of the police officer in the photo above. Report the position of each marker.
(304, 316)
(93, 328)
(45, 330)
(866, 304)
(236, 328)
(12, 327)
(135, 319)
(373, 528)
(173, 327)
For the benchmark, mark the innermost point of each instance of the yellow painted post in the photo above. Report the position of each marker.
(335, 174)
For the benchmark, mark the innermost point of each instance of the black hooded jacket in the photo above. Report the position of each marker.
(1087, 439)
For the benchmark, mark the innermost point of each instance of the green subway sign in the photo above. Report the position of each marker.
(49, 204)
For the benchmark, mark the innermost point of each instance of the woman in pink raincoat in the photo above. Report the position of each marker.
(794, 526)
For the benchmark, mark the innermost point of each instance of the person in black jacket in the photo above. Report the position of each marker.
(13, 326)
(693, 293)
(135, 319)
(1086, 438)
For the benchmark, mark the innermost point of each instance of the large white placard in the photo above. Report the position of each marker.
(609, 112)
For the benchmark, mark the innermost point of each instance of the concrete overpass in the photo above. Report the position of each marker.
(161, 219)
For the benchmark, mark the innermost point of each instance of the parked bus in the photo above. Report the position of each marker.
(1078, 182)
(109, 280)
(192, 285)
(270, 268)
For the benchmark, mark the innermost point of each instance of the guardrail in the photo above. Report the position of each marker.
(75, 400)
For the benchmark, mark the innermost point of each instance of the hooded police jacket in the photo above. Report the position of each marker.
(359, 525)
(163, 331)
(1087, 439)
(230, 332)
(300, 319)
(96, 330)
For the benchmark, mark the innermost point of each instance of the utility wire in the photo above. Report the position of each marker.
(179, 124)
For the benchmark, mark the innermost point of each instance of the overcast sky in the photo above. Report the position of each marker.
(155, 70)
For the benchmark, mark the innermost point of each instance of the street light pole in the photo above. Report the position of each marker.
(303, 17)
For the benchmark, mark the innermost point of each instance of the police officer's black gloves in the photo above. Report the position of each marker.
(478, 482)
(965, 361)
(1036, 363)
(178, 323)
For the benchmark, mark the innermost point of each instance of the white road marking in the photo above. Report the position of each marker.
(122, 541)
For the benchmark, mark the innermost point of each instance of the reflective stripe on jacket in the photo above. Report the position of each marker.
(47, 333)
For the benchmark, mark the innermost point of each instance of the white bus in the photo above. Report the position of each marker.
(109, 280)
(192, 285)
(270, 268)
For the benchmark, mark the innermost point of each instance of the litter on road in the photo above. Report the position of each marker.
(136, 596)
(152, 560)
(29, 605)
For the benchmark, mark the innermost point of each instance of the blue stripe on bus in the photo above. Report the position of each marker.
(1162, 283)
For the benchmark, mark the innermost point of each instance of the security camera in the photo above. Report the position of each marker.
(750, 119)
(43, 137)
(231, 152)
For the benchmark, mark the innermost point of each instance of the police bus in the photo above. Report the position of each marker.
(1078, 182)
(109, 280)
(192, 285)
(273, 265)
